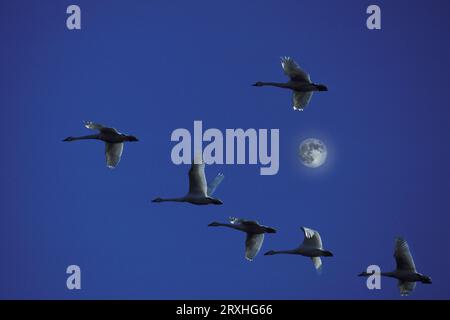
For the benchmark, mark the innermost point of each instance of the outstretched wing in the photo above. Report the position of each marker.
(96, 126)
(253, 244)
(403, 256)
(406, 287)
(215, 183)
(234, 220)
(301, 99)
(113, 152)
(197, 180)
(293, 71)
(312, 238)
(317, 263)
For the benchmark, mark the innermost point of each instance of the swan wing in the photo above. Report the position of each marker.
(244, 222)
(250, 223)
(317, 262)
(215, 183)
(301, 99)
(293, 71)
(403, 256)
(253, 244)
(197, 180)
(406, 287)
(234, 220)
(113, 153)
(312, 238)
(96, 126)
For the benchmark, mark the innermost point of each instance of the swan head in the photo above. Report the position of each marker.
(214, 224)
(321, 87)
(258, 84)
(270, 230)
(327, 253)
(425, 279)
(69, 139)
(270, 253)
(157, 200)
(132, 138)
(216, 201)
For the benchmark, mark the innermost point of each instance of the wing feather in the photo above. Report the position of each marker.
(312, 238)
(403, 256)
(113, 152)
(253, 244)
(293, 71)
(96, 126)
(215, 183)
(317, 263)
(301, 99)
(406, 287)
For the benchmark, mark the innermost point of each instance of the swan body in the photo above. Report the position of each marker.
(405, 272)
(113, 141)
(300, 83)
(255, 234)
(311, 247)
(200, 193)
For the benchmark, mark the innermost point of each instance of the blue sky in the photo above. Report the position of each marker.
(149, 67)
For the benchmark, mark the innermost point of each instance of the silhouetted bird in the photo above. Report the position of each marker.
(311, 247)
(299, 82)
(406, 272)
(199, 192)
(113, 141)
(255, 234)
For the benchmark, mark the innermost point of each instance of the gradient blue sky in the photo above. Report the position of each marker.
(149, 67)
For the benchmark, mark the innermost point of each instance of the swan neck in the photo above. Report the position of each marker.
(91, 136)
(228, 225)
(174, 199)
(275, 84)
(285, 252)
(387, 274)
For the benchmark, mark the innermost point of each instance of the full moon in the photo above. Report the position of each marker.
(313, 153)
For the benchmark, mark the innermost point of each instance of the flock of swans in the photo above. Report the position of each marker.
(201, 193)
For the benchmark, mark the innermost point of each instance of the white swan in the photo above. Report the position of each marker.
(113, 141)
(199, 191)
(405, 272)
(255, 234)
(311, 247)
(300, 82)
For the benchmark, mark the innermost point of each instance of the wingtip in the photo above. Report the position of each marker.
(404, 294)
(319, 270)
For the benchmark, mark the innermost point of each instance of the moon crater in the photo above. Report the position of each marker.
(313, 153)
